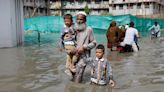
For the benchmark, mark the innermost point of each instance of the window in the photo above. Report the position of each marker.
(130, 6)
(114, 7)
(41, 11)
(37, 10)
(147, 5)
(153, 5)
(97, 1)
(88, 1)
(139, 6)
(159, 7)
(121, 6)
(112, 1)
(80, 2)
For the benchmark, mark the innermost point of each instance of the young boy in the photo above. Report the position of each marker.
(68, 43)
(101, 70)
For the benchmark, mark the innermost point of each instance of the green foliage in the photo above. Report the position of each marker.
(87, 10)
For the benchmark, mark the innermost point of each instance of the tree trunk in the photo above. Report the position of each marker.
(35, 9)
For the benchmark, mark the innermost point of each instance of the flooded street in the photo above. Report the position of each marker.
(33, 68)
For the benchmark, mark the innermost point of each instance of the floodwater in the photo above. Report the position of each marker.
(40, 68)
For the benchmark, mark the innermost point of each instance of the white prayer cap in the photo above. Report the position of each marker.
(81, 13)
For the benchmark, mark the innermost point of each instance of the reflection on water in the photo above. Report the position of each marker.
(33, 68)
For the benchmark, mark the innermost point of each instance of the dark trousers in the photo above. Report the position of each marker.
(128, 48)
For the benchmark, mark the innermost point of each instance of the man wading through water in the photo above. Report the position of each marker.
(85, 42)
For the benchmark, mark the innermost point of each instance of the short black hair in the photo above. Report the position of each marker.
(131, 24)
(155, 22)
(68, 16)
(100, 46)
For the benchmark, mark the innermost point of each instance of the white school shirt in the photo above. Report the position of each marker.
(129, 35)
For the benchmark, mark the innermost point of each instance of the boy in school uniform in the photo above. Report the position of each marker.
(101, 70)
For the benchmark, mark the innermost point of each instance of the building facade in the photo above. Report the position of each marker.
(136, 7)
(106, 7)
(96, 7)
(55, 7)
(36, 8)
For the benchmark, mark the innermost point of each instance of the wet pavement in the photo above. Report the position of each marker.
(40, 68)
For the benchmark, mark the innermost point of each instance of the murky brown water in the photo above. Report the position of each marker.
(34, 68)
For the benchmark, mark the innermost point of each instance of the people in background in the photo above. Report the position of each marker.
(155, 30)
(129, 43)
(112, 36)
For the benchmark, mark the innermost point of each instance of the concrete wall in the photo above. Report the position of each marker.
(11, 24)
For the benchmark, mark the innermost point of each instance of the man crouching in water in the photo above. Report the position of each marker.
(85, 42)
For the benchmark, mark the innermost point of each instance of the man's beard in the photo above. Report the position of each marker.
(79, 27)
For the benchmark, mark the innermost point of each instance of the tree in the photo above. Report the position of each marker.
(35, 9)
(87, 10)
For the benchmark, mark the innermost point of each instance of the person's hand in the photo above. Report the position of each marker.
(80, 50)
(73, 52)
(111, 83)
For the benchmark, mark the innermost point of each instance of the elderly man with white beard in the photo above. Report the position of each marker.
(85, 42)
